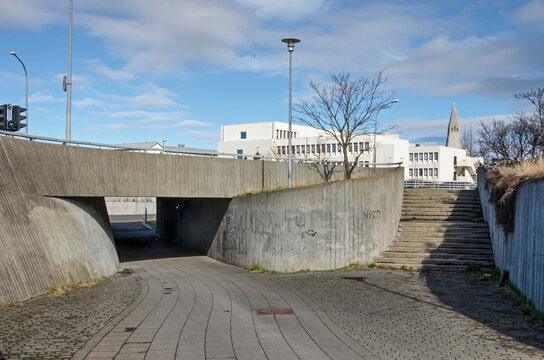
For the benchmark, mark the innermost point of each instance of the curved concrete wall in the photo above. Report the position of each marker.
(521, 252)
(317, 227)
(48, 242)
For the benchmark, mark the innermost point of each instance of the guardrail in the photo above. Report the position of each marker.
(181, 151)
(449, 185)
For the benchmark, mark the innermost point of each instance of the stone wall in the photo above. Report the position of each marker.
(521, 252)
(317, 227)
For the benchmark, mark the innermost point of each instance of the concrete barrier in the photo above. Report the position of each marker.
(317, 227)
(521, 252)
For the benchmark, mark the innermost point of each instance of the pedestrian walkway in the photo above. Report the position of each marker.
(197, 308)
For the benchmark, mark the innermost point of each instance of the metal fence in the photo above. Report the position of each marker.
(448, 185)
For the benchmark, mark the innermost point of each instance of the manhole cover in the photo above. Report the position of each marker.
(275, 312)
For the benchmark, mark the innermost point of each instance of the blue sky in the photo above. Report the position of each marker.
(179, 69)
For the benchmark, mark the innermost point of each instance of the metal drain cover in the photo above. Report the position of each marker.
(275, 312)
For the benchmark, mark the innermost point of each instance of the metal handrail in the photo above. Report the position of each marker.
(33, 137)
(447, 185)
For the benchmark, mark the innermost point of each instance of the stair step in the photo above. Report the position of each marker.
(441, 248)
(444, 235)
(423, 260)
(439, 245)
(436, 255)
(427, 267)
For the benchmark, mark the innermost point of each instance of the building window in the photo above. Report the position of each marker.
(426, 156)
(361, 146)
(367, 163)
(303, 147)
(294, 135)
(318, 150)
(240, 152)
(350, 147)
(411, 172)
(313, 149)
(243, 135)
(355, 147)
(367, 146)
(292, 149)
(283, 150)
(298, 149)
(308, 149)
(339, 148)
(323, 148)
(328, 148)
(415, 156)
(431, 156)
(426, 172)
(279, 150)
(420, 172)
(435, 172)
(411, 156)
(420, 156)
(436, 156)
(333, 148)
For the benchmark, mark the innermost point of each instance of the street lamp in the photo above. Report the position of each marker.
(69, 80)
(26, 88)
(376, 128)
(290, 47)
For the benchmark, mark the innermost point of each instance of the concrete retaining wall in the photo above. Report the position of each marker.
(317, 227)
(521, 252)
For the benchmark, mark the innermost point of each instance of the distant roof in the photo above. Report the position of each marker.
(158, 145)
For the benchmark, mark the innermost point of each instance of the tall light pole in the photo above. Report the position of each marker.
(290, 47)
(376, 128)
(69, 80)
(26, 88)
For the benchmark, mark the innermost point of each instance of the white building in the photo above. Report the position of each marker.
(435, 163)
(270, 138)
(441, 164)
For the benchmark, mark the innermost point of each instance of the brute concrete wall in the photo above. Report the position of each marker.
(48, 242)
(57, 170)
(131, 205)
(521, 252)
(316, 227)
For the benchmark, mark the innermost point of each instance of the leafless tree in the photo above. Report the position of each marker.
(510, 141)
(536, 97)
(325, 169)
(344, 109)
(468, 140)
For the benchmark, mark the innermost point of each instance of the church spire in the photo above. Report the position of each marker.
(454, 133)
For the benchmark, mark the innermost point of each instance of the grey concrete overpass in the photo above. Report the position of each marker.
(54, 224)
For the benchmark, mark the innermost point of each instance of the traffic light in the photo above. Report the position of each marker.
(3, 116)
(16, 118)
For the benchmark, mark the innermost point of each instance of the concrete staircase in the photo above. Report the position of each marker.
(440, 230)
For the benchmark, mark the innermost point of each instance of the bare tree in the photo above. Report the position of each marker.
(344, 109)
(468, 140)
(511, 141)
(536, 97)
(325, 169)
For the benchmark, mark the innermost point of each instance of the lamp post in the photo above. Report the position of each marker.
(290, 47)
(69, 80)
(376, 129)
(26, 88)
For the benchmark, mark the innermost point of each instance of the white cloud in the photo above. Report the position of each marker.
(42, 97)
(531, 12)
(29, 14)
(207, 136)
(88, 102)
(284, 9)
(151, 101)
(107, 127)
(116, 75)
(181, 124)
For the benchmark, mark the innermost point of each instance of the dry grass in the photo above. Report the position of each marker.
(503, 183)
(61, 292)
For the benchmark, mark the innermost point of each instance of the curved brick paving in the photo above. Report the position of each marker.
(197, 308)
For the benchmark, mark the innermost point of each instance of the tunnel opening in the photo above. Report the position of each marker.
(146, 228)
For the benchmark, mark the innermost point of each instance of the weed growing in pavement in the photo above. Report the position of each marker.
(257, 268)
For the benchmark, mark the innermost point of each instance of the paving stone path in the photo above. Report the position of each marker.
(197, 308)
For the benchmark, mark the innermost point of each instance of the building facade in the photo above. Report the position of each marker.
(434, 163)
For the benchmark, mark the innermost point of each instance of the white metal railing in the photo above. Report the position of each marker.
(451, 185)
(181, 151)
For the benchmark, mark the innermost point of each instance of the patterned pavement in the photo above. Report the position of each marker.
(196, 308)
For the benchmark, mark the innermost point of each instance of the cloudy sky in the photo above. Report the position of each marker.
(148, 70)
